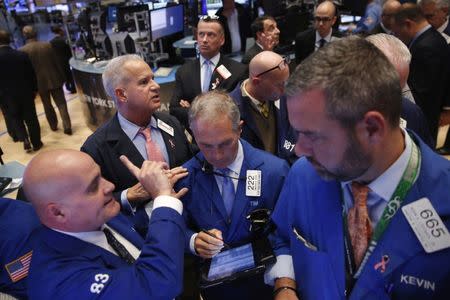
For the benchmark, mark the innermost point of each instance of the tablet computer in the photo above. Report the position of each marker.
(246, 260)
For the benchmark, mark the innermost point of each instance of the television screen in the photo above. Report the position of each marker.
(112, 14)
(166, 21)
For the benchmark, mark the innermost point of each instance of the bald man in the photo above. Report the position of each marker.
(390, 8)
(262, 105)
(84, 249)
(313, 39)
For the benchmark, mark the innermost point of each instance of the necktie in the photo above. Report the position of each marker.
(153, 151)
(322, 43)
(264, 109)
(228, 192)
(207, 75)
(118, 247)
(359, 225)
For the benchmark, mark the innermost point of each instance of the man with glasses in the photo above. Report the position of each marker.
(390, 8)
(266, 34)
(218, 200)
(311, 40)
(262, 105)
(210, 71)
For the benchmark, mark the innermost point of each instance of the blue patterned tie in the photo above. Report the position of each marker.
(207, 75)
(228, 192)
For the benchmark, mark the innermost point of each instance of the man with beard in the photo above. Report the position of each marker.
(351, 219)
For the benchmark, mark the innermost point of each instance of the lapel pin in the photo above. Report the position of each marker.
(381, 266)
(171, 143)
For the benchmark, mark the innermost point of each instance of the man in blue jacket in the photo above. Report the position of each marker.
(364, 213)
(84, 250)
(219, 199)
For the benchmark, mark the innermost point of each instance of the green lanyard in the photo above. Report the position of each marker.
(409, 177)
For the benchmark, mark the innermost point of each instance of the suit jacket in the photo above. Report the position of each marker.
(17, 222)
(188, 83)
(204, 209)
(250, 53)
(429, 75)
(244, 23)
(74, 269)
(416, 121)
(49, 72)
(314, 207)
(286, 138)
(305, 43)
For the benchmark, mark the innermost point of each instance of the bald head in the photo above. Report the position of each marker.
(68, 192)
(29, 32)
(268, 74)
(324, 18)
(390, 8)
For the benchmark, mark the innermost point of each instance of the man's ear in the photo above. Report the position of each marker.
(372, 127)
(241, 123)
(121, 95)
(55, 213)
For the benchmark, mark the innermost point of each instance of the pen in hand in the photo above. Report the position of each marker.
(212, 235)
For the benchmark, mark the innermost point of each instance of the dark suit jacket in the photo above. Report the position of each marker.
(305, 43)
(250, 53)
(187, 83)
(244, 27)
(286, 137)
(429, 75)
(416, 121)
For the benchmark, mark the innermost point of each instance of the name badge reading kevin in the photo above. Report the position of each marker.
(427, 225)
(253, 183)
(165, 127)
(223, 72)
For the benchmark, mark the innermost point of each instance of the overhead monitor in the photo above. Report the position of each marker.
(112, 13)
(166, 21)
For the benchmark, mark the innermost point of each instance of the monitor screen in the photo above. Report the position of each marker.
(166, 21)
(112, 14)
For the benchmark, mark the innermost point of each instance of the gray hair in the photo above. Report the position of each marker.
(355, 78)
(213, 105)
(439, 3)
(394, 49)
(114, 74)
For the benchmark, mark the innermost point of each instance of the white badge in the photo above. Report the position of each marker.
(427, 225)
(165, 127)
(403, 123)
(253, 183)
(223, 72)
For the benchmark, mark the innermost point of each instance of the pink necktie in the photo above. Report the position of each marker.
(359, 225)
(153, 151)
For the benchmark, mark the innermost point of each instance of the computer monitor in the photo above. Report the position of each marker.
(112, 14)
(166, 21)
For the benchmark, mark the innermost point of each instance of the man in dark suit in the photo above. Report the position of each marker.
(429, 68)
(390, 8)
(84, 248)
(218, 200)
(129, 81)
(267, 37)
(17, 90)
(62, 50)
(436, 13)
(50, 78)
(236, 22)
(412, 117)
(311, 40)
(262, 106)
(210, 71)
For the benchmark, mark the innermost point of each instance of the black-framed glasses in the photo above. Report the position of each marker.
(208, 18)
(282, 65)
(322, 19)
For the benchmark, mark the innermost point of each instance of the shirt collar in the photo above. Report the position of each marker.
(418, 34)
(259, 45)
(255, 102)
(131, 129)
(326, 38)
(236, 165)
(215, 60)
(96, 237)
(442, 28)
(385, 184)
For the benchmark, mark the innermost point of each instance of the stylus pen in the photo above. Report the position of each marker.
(212, 235)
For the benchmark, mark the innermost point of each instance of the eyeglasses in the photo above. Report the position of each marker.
(322, 19)
(207, 18)
(282, 65)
